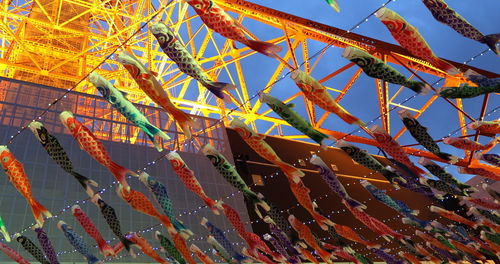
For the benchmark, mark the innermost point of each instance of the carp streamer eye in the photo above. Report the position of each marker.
(442, 5)
(347, 149)
(412, 122)
(161, 39)
(72, 126)
(363, 62)
(5, 159)
(104, 91)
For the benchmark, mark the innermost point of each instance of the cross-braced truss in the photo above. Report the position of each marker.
(58, 42)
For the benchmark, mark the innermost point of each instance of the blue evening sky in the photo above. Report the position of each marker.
(441, 118)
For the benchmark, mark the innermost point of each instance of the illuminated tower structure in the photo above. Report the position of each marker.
(58, 42)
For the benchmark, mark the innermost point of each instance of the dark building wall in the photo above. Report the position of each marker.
(56, 189)
(277, 190)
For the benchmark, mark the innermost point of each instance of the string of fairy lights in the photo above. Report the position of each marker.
(232, 194)
(324, 196)
(344, 210)
(150, 229)
(221, 120)
(39, 117)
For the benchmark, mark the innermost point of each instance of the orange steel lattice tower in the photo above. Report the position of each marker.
(58, 42)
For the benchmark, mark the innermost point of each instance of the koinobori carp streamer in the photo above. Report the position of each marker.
(376, 68)
(17, 176)
(94, 147)
(172, 47)
(148, 83)
(120, 102)
(221, 22)
(446, 15)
